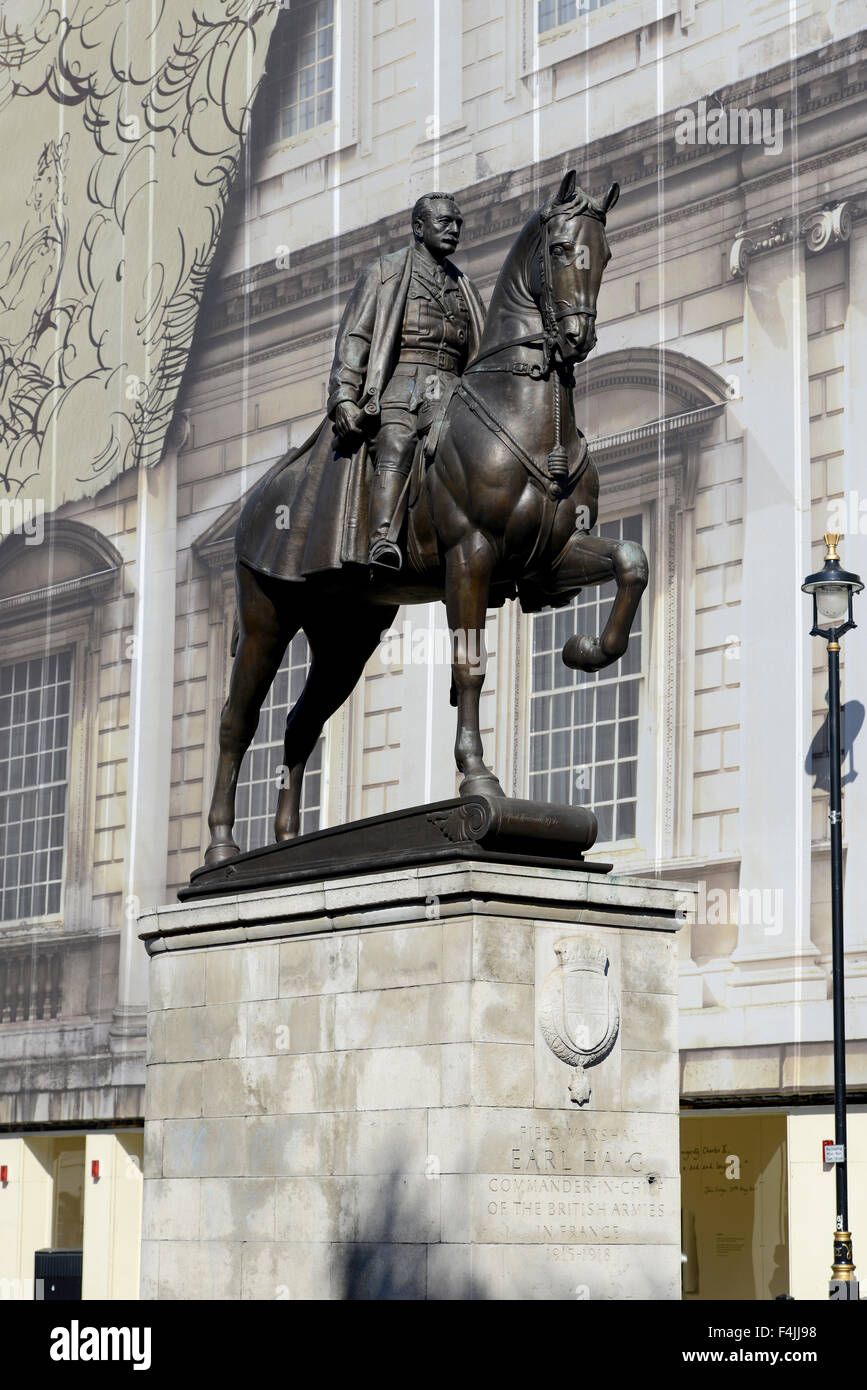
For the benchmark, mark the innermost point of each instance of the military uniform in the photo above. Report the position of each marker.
(434, 345)
(409, 329)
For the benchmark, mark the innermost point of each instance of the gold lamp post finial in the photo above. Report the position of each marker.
(831, 540)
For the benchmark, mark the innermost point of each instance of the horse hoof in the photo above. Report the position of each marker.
(220, 854)
(583, 654)
(481, 784)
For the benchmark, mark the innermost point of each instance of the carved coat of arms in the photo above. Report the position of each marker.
(578, 1012)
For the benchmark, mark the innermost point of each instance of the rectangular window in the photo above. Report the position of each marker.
(298, 93)
(584, 727)
(35, 701)
(554, 13)
(262, 770)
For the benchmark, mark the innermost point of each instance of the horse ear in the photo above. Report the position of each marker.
(610, 198)
(566, 190)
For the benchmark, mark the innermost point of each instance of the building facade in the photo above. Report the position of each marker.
(723, 410)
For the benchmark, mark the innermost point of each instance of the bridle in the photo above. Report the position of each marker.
(548, 340)
(580, 206)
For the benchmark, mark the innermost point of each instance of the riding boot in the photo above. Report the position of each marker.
(385, 495)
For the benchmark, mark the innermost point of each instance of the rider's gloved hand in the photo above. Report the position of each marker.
(348, 419)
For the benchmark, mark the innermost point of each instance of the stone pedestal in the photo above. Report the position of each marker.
(456, 1081)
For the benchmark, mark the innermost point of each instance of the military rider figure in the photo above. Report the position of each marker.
(409, 329)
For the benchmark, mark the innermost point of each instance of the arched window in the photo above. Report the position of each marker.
(51, 589)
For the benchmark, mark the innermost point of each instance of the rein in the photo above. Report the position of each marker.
(555, 483)
(551, 487)
(558, 459)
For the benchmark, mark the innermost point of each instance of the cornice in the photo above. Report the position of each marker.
(95, 550)
(691, 381)
(525, 182)
(652, 137)
(626, 444)
(216, 546)
(56, 595)
(496, 207)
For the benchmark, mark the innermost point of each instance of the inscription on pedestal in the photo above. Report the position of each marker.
(569, 1184)
(564, 1210)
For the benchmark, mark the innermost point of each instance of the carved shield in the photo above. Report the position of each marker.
(584, 1010)
(579, 1014)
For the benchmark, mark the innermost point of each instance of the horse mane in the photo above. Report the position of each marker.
(580, 204)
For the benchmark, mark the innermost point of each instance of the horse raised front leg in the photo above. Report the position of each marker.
(600, 559)
(468, 576)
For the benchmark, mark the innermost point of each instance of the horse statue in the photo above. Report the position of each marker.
(503, 509)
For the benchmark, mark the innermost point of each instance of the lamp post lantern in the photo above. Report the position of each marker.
(832, 589)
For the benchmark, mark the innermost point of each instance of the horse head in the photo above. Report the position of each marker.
(572, 254)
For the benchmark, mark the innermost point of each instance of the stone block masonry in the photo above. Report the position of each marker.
(374, 1087)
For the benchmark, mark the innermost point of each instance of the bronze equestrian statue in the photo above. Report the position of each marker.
(498, 501)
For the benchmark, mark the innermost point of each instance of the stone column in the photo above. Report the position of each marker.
(150, 750)
(776, 959)
(854, 554)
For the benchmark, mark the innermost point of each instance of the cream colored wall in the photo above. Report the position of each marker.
(25, 1212)
(668, 284)
(733, 1206)
(736, 1228)
(112, 1211)
(812, 1199)
(827, 301)
(11, 1153)
(112, 1216)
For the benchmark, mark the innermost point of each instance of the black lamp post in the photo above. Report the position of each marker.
(832, 589)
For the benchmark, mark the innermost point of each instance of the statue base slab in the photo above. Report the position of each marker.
(500, 830)
(443, 1080)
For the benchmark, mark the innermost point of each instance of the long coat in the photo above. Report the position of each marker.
(368, 339)
(308, 515)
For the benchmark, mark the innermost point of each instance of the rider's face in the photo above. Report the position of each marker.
(439, 228)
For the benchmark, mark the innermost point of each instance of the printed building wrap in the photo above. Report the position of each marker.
(127, 123)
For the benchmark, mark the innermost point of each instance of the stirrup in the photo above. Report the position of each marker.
(385, 555)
